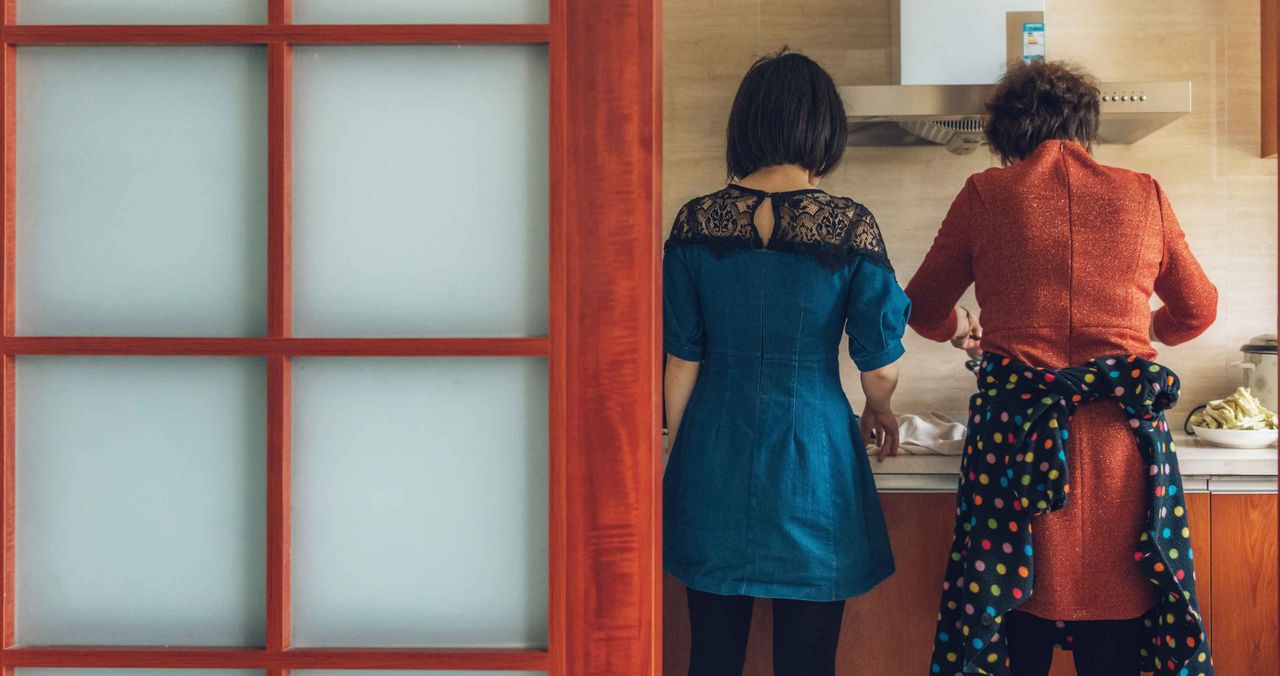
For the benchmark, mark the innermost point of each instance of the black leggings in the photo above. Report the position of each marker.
(805, 635)
(1098, 647)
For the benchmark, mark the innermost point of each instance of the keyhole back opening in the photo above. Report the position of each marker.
(763, 220)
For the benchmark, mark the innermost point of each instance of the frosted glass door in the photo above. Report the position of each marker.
(420, 202)
(300, 353)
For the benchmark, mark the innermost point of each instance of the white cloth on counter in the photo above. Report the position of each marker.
(930, 434)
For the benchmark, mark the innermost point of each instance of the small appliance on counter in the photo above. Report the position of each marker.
(1259, 368)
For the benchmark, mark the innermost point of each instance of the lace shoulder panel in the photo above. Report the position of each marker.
(834, 229)
(723, 221)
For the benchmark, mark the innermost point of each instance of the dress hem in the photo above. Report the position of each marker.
(772, 590)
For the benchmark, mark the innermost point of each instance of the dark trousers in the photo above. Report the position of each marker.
(1098, 647)
(805, 635)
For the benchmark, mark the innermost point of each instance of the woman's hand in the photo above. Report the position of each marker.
(968, 333)
(881, 423)
(877, 415)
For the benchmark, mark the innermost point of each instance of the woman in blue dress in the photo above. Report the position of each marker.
(768, 492)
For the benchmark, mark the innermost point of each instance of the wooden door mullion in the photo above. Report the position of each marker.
(279, 325)
(240, 34)
(8, 154)
(199, 657)
(557, 360)
(276, 346)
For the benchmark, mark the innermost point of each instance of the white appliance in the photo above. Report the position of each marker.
(1259, 368)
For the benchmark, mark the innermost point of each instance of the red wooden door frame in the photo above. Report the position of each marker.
(613, 178)
(602, 345)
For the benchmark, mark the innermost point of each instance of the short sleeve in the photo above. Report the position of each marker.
(682, 328)
(877, 316)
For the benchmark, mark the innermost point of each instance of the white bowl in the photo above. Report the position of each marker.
(1236, 438)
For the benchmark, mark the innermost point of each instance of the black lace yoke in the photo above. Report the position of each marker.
(831, 229)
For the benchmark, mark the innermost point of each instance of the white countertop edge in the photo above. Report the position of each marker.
(946, 483)
(1194, 460)
(1204, 469)
(1242, 484)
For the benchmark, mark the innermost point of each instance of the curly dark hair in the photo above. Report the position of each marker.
(1040, 101)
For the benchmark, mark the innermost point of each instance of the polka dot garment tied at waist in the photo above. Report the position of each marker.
(1015, 465)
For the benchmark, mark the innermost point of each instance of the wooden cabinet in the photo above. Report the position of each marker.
(1245, 635)
(889, 630)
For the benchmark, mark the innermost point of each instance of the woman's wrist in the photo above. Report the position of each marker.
(964, 323)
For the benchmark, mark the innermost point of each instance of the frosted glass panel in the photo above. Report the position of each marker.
(141, 672)
(420, 191)
(420, 11)
(140, 500)
(141, 11)
(372, 672)
(419, 502)
(141, 191)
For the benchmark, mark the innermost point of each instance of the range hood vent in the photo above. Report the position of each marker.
(937, 47)
(952, 115)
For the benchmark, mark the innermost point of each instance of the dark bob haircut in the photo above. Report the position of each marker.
(787, 111)
(1039, 102)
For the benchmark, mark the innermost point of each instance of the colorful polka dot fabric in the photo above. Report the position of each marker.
(1015, 465)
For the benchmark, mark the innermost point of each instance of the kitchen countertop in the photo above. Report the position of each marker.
(1204, 467)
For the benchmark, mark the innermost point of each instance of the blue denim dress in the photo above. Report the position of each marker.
(768, 491)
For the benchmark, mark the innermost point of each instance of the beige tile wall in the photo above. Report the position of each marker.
(1225, 196)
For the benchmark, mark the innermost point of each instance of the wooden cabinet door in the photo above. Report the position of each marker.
(1244, 635)
(889, 630)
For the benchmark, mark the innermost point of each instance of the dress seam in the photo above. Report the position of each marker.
(1071, 320)
(755, 441)
(1071, 258)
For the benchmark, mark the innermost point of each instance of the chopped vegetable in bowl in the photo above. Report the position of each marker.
(1240, 411)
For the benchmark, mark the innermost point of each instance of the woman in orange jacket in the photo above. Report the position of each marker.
(1065, 254)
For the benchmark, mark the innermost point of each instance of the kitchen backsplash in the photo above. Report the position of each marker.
(1207, 162)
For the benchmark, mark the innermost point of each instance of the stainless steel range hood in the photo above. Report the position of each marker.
(937, 47)
(951, 115)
